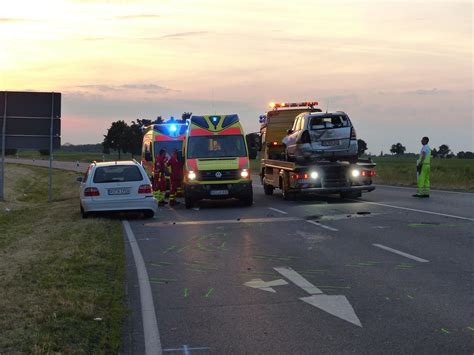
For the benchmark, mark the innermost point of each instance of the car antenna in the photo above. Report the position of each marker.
(327, 107)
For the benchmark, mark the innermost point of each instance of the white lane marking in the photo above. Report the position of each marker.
(150, 325)
(415, 210)
(225, 221)
(337, 305)
(432, 190)
(322, 225)
(297, 279)
(265, 285)
(409, 256)
(277, 210)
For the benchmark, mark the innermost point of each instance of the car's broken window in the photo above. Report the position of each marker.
(328, 122)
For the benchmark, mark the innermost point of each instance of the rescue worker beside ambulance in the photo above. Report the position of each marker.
(176, 179)
(159, 177)
(423, 167)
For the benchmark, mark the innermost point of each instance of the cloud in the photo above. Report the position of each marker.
(419, 92)
(149, 88)
(178, 35)
(138, 17)
(13, 19)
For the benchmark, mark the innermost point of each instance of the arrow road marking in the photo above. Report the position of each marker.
(265, 285)
(297, 279)
(337, 305)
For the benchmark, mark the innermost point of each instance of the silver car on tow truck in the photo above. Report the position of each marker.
(321, 135)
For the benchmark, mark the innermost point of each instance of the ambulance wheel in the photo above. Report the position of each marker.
(148, 213)
(247, 201)
(268, 189)
(188, 202)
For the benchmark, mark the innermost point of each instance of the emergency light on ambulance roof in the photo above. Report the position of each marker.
(276, 105)
(173, 128)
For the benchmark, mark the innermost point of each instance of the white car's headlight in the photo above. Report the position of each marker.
(314, 175)
(191, 175)
(244, 173)
(355, 173)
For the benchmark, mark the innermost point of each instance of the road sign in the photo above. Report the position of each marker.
(29, 120)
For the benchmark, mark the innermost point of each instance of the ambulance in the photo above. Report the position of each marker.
(169, 136)
(216, 158)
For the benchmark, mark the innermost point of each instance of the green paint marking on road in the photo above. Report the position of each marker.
(201, 266)
(164, 280)
(272, 258)
(256, 273)
(445, 331)
(410, 297)
(222, 245)
(198, 270)
(170, 249)
(208, 294)
(314, 270)
(160, 263)
(471, 329)
(184, 248)
(185, 293)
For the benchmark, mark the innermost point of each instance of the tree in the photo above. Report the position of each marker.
(443, 151)
(117, 137)
(465, 155)
(397, 149)
(135, 136)
(361, 147)
(434, 153)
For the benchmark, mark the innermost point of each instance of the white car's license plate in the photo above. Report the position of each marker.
(119, 191)
(331, 142)
(219, 192)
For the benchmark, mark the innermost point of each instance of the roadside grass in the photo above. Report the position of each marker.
(84, 157)
(453, 174)
(58, 272)
(450, 174)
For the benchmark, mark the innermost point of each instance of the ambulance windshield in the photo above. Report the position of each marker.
(216, 146)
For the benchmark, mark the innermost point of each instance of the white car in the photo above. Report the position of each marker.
(116, 186)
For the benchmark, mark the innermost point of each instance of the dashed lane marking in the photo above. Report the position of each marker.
(277, 210)
(322, 226)
(406, 255)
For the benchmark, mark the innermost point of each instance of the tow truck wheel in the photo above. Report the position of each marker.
(351, 194)
(268, 189)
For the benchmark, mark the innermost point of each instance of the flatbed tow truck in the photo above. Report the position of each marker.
(323, 177)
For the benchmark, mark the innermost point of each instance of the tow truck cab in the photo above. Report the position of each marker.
(168, 136)
(216, 160)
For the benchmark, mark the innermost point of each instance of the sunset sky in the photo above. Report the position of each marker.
(400, 69)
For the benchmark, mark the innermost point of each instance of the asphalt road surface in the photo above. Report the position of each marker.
(387, 273)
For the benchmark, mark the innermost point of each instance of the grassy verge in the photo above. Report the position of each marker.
(85, 157)
(450, 174)
(61, 277)
(453, 174)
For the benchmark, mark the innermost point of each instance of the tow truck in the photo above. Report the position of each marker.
(320, 176)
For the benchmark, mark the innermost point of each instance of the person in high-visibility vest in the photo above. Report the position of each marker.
(159, 177)
(423, 167)
(176, 179)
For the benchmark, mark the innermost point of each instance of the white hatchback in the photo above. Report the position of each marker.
(116, 186)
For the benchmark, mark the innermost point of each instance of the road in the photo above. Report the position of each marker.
(386, 273)
(383, 274)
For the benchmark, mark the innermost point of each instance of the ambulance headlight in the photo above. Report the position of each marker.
(355, 173)
(314, 175)
(244, 173)
(191, 175)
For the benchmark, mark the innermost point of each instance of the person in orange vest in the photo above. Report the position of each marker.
(176, 179)
(159, 177)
